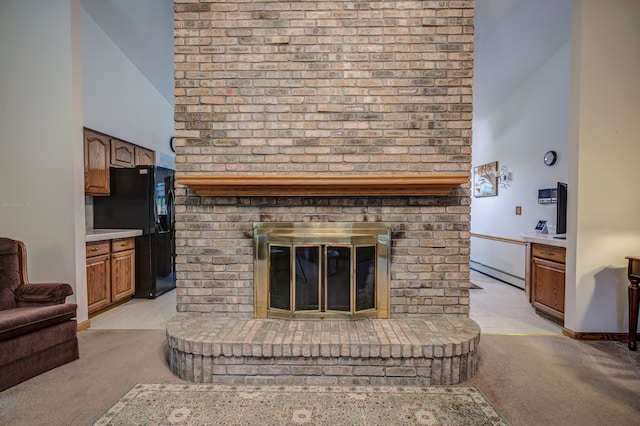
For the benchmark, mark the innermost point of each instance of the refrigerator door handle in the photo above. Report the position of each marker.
(170, 208)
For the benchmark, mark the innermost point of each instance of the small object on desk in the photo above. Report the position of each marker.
(541, 227)
(634, 299)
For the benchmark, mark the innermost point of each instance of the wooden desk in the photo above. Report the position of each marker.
(634, 298)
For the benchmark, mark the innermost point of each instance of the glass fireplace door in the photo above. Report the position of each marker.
(321, 278)
(322, 270)
(307, 268)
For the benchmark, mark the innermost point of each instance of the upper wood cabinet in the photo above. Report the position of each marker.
(102, 151)
(125, 154)
(144, 157)
(96, 163)
(122, 153)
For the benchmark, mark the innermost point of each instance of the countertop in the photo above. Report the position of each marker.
(110, 234)
(535, 237)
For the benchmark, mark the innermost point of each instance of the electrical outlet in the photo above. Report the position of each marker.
(518, 210)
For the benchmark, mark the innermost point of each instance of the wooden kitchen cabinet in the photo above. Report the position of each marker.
(144, 156)
(125, 154)
(547, 280)
(98, 275)
(123, 273)
(122, 153)
(101, 152)
(110, 272)
(97, 158)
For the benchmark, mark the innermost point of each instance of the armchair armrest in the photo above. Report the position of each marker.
(42, 294)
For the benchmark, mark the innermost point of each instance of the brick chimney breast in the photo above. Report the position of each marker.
(321, 88)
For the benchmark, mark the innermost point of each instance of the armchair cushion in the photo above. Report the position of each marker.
(19, 321)
(9, 272)
(42, 294)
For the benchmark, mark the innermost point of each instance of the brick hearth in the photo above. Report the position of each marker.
(266, 351)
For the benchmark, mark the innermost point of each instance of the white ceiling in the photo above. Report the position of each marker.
(513, 38)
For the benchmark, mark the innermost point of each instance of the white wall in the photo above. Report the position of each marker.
(50, 76)
(584, 104)
(41, 163)
(503, 260)
(117, 99)
(532, 121)
(604, 145)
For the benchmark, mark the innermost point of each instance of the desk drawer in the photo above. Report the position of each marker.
(555, 254)
(98, 248)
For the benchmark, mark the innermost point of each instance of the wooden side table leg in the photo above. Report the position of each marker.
(634, 301)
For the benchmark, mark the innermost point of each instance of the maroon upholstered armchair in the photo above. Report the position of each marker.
(38, 330)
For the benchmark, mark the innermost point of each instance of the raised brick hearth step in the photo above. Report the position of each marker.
(421, 351)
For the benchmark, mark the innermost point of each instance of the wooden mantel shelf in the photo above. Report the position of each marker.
(323, 185)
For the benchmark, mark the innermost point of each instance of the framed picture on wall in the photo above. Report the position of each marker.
(485, 180)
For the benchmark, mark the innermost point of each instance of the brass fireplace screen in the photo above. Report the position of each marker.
(322, 270)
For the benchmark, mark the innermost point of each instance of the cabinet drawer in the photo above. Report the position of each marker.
(556, 254)
(123, 244)
(98, 248)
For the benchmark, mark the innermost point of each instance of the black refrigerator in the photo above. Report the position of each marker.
(143, 198)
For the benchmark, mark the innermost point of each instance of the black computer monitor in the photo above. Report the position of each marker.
(561, 209)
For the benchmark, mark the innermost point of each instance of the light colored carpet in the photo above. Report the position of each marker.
(531, 380)
(148, 404)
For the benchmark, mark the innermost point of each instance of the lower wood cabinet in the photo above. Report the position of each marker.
(547, 280)
(98, 275)
(123, 272)
(110, 272)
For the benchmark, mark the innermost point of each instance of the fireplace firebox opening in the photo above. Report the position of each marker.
(317, 270)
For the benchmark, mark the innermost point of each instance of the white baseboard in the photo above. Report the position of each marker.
(498, 274)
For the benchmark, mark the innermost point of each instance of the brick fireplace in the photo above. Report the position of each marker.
(323, 111)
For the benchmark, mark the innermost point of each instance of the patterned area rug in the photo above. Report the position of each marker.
(172, 404)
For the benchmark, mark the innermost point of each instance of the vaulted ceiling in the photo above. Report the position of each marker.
(513, 38)
(143, 31)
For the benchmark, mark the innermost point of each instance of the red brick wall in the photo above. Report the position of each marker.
(323, 87)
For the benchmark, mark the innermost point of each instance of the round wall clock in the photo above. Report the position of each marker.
(172, 144)
(550, 158)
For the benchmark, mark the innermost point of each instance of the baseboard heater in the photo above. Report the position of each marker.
(498, 274)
